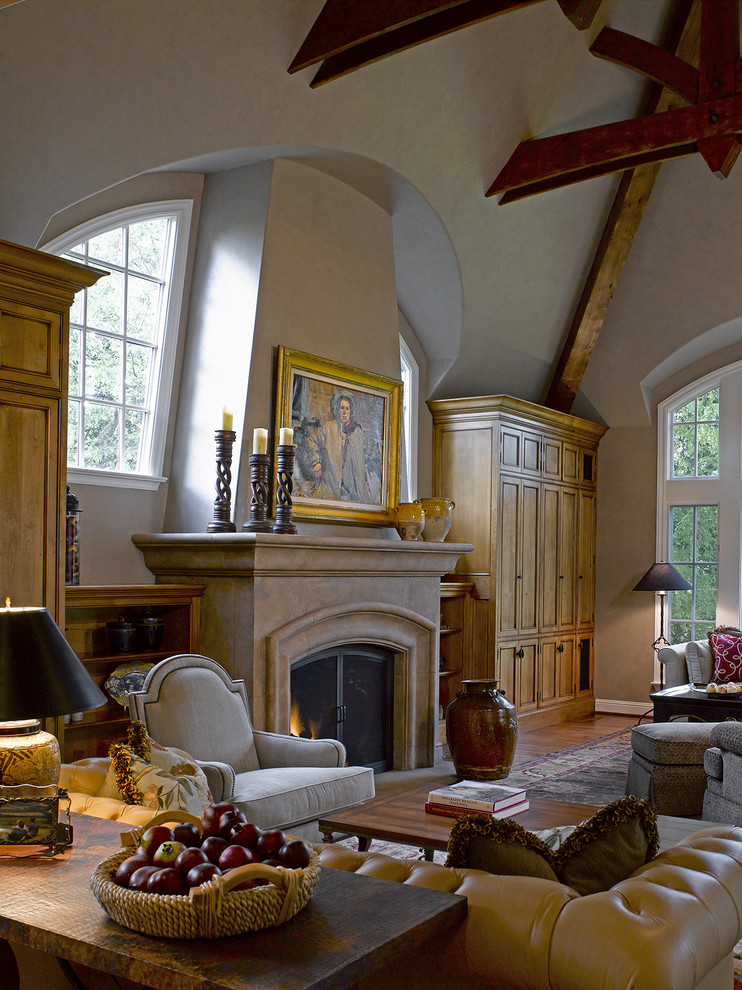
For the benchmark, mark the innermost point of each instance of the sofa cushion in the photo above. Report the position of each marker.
(281, 797)
(727, 653)
(676, 743)
(699, 661)
(594, 856)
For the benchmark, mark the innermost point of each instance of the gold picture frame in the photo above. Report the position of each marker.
(347, 425)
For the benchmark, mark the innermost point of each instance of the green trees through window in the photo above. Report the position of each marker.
(694, 531)
(123, 337)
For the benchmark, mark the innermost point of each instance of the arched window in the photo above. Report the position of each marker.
(699, 501)
(123, 340)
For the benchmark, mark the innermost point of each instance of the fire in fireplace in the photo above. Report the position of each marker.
(346, 693)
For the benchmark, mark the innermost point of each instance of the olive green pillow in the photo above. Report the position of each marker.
(594, 856)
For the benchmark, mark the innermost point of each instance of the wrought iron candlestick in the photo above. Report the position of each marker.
(284, 472)
(259, 521)
(222, 521)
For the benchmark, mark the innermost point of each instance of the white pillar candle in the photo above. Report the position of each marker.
(227, 418)
(260, 441)
(287, 436)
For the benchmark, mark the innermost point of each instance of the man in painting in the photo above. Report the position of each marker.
(345, 463)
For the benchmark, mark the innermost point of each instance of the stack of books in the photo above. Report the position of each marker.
(469, 797)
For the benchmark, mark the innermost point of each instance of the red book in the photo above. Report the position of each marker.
(455, 811)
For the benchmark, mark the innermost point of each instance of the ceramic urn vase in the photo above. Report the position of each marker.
(482, 730)
(409, 520)
(438, 518)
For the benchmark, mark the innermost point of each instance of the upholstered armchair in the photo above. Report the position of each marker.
(191, 703)
(722, 762)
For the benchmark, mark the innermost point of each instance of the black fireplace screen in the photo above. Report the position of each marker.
(346, 693)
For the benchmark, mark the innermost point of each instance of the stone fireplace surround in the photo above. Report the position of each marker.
(272, 600)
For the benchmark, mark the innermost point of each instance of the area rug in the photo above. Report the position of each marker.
(590, 773)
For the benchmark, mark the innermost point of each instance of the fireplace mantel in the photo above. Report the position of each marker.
(272, 600)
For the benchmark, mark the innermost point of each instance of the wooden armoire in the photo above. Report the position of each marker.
(524, 481)
(36, 293)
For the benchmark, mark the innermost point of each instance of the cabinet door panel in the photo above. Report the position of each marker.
(31, 520)
(552, 459)
(465, 475)
(30, 345)
(548, 672)
(550, 498)
(528, 554)
(586, 559)
(508, 569)
(567, 558)
(566, 681)
(526, 692)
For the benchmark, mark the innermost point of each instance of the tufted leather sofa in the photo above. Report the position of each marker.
(84, 779)
(671, 926)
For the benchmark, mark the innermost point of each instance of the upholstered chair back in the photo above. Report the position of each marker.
(190, 702)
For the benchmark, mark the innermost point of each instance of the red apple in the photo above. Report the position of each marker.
(212, 814)
(245, 834)
(166, 881)
(201, 873)
(167, 852)
(214, 846)
(295, 854)
(153, 837)
(270, 842)
(190, 857)
(187, 833)
(232, 857)
(129, 865)
(140, 877)
(228, 820)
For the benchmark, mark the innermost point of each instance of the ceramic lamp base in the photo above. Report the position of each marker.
(28, 755)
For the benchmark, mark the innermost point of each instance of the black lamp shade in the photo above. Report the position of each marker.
(40, 673)
(663, 577)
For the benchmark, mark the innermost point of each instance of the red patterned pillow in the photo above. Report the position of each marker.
(727, 653)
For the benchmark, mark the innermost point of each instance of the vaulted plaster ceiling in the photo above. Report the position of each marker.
(490, 290)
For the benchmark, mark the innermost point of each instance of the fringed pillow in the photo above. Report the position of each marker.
(146, 773)
(594, 856)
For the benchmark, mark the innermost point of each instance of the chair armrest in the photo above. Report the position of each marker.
(276, 750)
(727, 736)
(676, 668)
(220, 778)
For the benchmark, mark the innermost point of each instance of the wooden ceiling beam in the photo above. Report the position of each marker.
(656, 63)
(580, 12)
(635, 188)
(612, 145)
(342, 24)
(435, 24)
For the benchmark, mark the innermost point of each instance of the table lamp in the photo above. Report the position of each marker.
(40, 676)
(661, 578)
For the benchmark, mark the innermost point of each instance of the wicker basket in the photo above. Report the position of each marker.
(212, 910)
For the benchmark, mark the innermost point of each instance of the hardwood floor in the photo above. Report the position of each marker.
(532, 743)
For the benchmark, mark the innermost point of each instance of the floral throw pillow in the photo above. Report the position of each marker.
(146, 773)
(727, 653)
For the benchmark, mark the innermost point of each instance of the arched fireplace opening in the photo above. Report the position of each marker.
(347, 693)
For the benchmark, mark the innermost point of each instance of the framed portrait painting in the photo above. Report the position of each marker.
(346, 426)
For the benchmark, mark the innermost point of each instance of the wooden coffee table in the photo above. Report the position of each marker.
(401, 817)
(352, 926)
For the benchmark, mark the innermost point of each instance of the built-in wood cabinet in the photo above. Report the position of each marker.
(88, 611)
(36, 293)
(524, 481)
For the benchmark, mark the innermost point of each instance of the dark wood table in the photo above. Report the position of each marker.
(686, 702)
(401, 817)
(353, 926)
